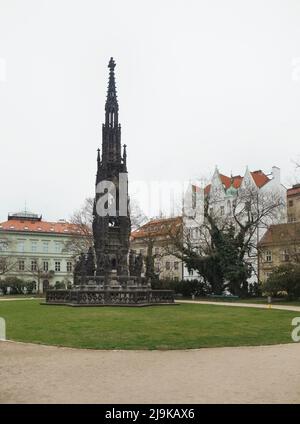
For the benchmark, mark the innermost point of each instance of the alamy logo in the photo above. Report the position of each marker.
(296, 331)
(106, 204)
(2, 329)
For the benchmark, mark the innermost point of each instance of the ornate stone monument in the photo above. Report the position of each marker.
(109, 274)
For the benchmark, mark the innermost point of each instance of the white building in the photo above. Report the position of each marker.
(224, 192)
(35, 250)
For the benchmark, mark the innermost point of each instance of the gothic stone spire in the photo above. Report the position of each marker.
(111, 232)
(111, 106)
(111, 129)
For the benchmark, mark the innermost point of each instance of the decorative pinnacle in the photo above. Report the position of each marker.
(111, 100)
(112, 64)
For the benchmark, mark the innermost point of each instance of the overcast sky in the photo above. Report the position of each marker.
(200, 83)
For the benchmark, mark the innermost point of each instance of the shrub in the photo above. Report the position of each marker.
(17, 285)
(60, 285)
(184, 287)
(284, 278)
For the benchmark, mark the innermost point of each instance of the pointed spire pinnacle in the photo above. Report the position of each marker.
(112, 64)
(111, 105)
(98, 155)
(124, 155)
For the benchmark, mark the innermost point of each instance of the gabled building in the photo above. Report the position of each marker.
(34, 250)
(223, 190)
(222, 194)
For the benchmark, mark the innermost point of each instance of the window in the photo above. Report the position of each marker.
(176, 265)
(45, 266)
(268, 256)
(34, 246)
(21, 265)
(229, 207)
(33, 265)
(69, 266)
(291, 203)
(168, 265)
(21, 246)
(285, 255)
(291, 217)
(57, 247)
(57, 266)
(194, 198)
(45, 246)
(3, 245)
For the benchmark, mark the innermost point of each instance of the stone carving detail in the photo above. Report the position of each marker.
(109, 297)
(138, 265)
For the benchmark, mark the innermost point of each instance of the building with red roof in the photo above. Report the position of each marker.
(37, 251)
(157, 235)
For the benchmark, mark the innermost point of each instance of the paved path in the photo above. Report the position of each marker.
(20, 298)
(245, 305)
(205, 302)
(47, 374)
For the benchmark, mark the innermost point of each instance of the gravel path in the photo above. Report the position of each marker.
(47, 374)
(244, 305)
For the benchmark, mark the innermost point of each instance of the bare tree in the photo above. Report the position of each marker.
(224, 252)
(82, 240)
(7, 262)
(38, 273)
(137, 216)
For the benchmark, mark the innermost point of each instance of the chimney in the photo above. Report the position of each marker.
(276, 173)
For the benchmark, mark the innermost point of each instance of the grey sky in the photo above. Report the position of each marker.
(200, 83)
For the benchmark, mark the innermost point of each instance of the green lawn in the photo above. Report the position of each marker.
(157, 327)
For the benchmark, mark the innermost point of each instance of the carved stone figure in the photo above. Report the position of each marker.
(131, 262)
(90, 263)
(138, 266)
(80, 270)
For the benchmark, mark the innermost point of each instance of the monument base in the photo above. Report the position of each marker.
(109, 297)
(111, 290)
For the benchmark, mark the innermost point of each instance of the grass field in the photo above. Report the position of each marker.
(157, 327)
